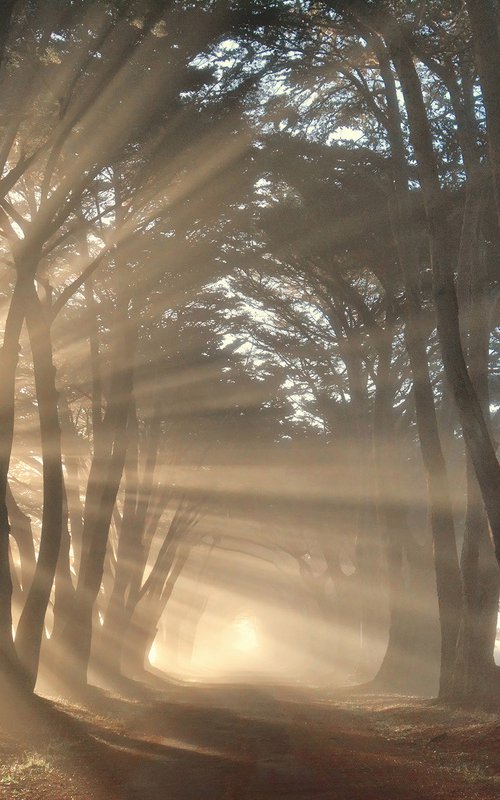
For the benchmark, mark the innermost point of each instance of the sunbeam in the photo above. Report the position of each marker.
(249, 484)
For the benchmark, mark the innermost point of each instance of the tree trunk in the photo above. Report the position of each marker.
(23, 535)
(146, 618)
(8, 362)
(31, 623)
(64, 592)
(484, 24)
(140, 609)
(6, 12)
(477, 674)
(113, 627)
(440, 508)
(395, 670)
(102, 488)
(474, 426)
(71, 449)
(368, 540)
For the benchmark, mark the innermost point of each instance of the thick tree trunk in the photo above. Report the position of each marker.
(474, 426)
(103, 484)
(64, 592)
(477, 674)
(6, 12)
(8, 362)
(440, 509)
(31, 623)
(483, 18)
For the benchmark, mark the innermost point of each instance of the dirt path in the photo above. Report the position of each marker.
(242, 743)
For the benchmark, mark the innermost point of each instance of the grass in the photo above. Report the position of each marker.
(32, 769)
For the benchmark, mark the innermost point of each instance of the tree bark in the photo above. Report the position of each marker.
(22, 533)
(394, 670)
(6, 13)
(113, 627)
(64, 592)
(440, 507)
(483, 18)
(148, 612)
(477, 674)
(31, 623)
(8, 362)
(475, 669)
(474, 426)
(133, 548)
(102, 488)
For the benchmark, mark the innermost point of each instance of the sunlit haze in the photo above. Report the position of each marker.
(249, 398)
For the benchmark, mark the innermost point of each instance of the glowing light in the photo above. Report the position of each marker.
(244, 634)
(153, 654)
(345, 133)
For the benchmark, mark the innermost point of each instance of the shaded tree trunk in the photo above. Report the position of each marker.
(394, 671)
(31, 623)
(477, 674)
(440, 507)
(64, 592)
(72, 461)
(483, 16)
(113, 627)
(133, 545)
(8, 362)
(6, 13)
(102, 488)
(23, 535)
(148, 612)
(474, 426)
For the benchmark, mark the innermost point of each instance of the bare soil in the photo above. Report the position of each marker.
(242, 742)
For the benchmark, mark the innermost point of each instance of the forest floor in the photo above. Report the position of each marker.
(243, 742)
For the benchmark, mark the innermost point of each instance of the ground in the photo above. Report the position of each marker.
(243, 742)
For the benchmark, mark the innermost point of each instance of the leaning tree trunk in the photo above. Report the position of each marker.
(148, 613)
(31, 623)
(142, 605)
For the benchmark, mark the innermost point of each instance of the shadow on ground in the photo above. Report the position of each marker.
(242, 742)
